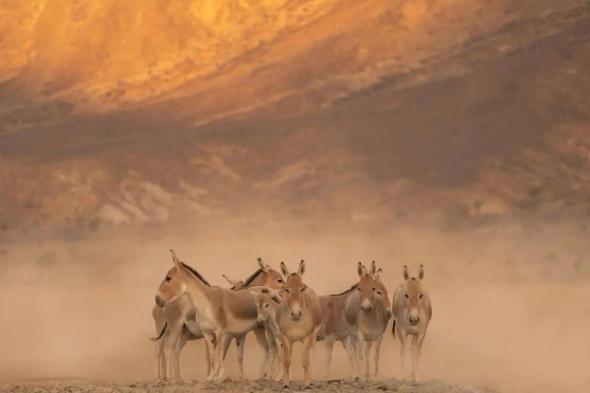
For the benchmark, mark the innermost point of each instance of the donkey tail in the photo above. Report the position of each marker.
(393, 329)
(161, 333)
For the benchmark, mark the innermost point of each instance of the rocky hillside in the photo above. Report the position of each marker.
(139, 112)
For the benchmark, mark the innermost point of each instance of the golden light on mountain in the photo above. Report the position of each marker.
(89, 88)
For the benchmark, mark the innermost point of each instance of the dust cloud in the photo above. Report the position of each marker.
(511, 301)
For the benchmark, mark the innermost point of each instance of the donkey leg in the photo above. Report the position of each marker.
(160, 359)
(351, 352)
(279, 346)
(220, 337)
(377, 353)
(368, 346)
(307, 347)
(286, 359)
(207, 358)
(354, 341)
(273, 350)
(419, 354)
(263, 342)
(414, 349)
(329, 346)
(402, 352)
(240, 340)
(211, 348)
(170, 349)
(180, 343)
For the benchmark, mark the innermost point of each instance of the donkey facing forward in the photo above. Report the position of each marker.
(412, 313)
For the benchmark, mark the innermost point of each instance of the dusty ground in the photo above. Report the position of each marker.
(336, 385)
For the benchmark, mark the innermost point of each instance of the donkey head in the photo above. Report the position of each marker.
(371, 289)
(413, 294)
(294, 288)
(265, 298)
(174, 284)
(270, 277)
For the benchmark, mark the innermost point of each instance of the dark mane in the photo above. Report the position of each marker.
(347, 291)
(196, 273)
(249, 280)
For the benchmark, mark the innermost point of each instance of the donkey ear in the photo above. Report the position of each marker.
(275, 296)
(421, 272)
(301, 268)
(361, 269)
(233, 283)
(263, 265)
(284, 269)
(373, 268)
(175, 259)
(406, 273)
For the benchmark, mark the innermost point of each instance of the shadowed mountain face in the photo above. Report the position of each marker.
(142, 112)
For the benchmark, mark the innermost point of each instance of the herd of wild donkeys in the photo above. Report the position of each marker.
(280, 309)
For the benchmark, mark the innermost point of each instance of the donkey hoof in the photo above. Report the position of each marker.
(285, 386)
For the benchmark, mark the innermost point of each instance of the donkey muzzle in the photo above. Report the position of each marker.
(414, 319)
(159, 301)
(295, 315)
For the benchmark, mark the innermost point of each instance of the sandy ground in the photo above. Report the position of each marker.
(336, 385)
(511, 308)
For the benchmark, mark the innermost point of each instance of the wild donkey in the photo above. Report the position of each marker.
(220, 313)
(336, 327)
(370, 311)
(268, 303)
(299, 319)
(412, 313)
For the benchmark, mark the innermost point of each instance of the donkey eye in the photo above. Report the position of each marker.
(407, 297)
(421, 296)
(280, 281)
(168, 278)
(379, 293)
(303, 289)
(266, 305)
(374, 289)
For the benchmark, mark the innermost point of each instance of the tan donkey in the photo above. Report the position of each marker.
(174, 328)
(268, 303)
(412, 313)
(219, 312)
(299, 319)
(369, 309)
(336, 327)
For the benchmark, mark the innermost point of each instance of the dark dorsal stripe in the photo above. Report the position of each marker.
(347, 291)
(250, 279)
(196, 273)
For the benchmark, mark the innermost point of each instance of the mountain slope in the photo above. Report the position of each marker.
(356, 110)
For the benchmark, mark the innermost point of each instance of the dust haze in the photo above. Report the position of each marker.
(511, 302)
(454, 134)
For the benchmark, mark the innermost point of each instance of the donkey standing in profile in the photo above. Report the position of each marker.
(218, 312)
(412, 313)
(299, 319)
